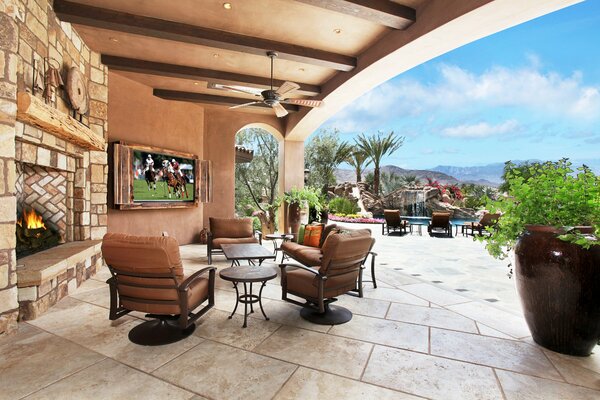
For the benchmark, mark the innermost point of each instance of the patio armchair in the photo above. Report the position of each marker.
(147, 276)
(340, 269)
(486, 220)
(394, 222)
(229, 231)
(440, 221)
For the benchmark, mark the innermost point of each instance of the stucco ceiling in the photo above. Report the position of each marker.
(304, 24)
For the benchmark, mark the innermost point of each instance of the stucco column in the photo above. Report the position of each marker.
(291, 172)
(9, 34)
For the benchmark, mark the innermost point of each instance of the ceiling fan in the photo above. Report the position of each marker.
(273, 98)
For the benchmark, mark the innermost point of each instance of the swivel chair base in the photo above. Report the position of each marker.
(159, 332)
(333, 315)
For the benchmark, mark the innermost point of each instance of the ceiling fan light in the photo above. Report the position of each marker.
(227, 6)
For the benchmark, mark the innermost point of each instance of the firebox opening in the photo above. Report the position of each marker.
(33, 234)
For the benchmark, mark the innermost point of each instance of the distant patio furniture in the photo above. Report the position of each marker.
(251, 252)
(341, 267)
(486, 220)
(229, 231)
(394, 222)
(440, 221)
(147, 276)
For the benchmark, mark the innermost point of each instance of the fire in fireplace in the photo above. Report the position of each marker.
(32, 233)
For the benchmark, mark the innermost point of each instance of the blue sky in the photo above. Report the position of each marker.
(530, 92)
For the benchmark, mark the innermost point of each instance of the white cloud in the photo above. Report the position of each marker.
(481, 130)
(526, 89)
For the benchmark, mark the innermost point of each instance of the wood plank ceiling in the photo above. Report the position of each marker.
(185, 49)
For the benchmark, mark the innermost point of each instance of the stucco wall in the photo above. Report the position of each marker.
(219, 141)
(136, 116)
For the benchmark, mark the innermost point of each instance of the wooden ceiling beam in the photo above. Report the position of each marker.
(383, 12)
(193, 73)
(104, 18)
(202, 98)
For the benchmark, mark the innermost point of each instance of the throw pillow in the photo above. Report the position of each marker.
(301, 235)
(312, 235)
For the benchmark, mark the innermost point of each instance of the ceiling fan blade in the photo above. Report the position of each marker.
(239, 90)
(245, 104)
(287, 87)
(280, 111)
(304, 102)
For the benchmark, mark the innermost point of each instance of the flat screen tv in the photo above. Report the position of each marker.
(150, 177)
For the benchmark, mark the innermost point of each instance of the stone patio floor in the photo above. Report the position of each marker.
(415, 336)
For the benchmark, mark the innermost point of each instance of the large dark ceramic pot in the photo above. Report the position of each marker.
(294, 218)
(559, 286)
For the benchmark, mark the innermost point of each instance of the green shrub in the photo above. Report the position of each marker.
(342, 205)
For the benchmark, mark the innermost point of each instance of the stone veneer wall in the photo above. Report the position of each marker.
(30, 30)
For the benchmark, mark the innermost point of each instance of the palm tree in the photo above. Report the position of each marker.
(376, 147)
(359, 161)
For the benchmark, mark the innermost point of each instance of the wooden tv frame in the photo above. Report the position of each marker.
(121, 173)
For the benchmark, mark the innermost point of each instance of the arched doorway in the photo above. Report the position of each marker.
(257, 175)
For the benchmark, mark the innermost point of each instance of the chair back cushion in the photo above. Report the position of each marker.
(326, 232)
(392, 217)
(231, 227)
(345, 250)
(489, 219)
(440, 219)
(312, 235)
(131, 257)
(144, 254)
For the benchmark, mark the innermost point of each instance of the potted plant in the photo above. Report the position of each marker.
(551, 219)
(299, 201)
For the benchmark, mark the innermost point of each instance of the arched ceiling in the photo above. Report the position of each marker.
(335, 50)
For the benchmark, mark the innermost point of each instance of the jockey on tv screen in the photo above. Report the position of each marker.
(162, 177)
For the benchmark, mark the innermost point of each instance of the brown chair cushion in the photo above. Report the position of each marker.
(304, 283)
(197, 293)
(142, 253)
(310, 256)
(346, 245)
(326, 232)
(216, 243)
(231, 227)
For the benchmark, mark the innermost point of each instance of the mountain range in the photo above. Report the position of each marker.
(347, 175)
(487, 175)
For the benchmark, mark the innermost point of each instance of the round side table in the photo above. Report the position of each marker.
(284, 237)
(248, 275)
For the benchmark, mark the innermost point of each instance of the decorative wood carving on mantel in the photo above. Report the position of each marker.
(34, 111)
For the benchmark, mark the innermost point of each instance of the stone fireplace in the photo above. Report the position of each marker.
(49, 162)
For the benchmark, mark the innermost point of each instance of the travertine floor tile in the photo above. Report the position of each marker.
(394, 295)
(364, 306)
(571, 369)
(31, 359)
(436, 317)
(317, 350)
(494, 352)
(218, 371)
(386, 332)
(392, 277)
(80, 322)
(216, 326)
(523, 387)
(430, 376)
(225, 301)
(110, 380)
(98, 296)
(435, 294)
(487, 331)
(284, 313)
(315, 385)
(502, 321)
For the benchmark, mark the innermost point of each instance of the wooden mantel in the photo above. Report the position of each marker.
(34, 111)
